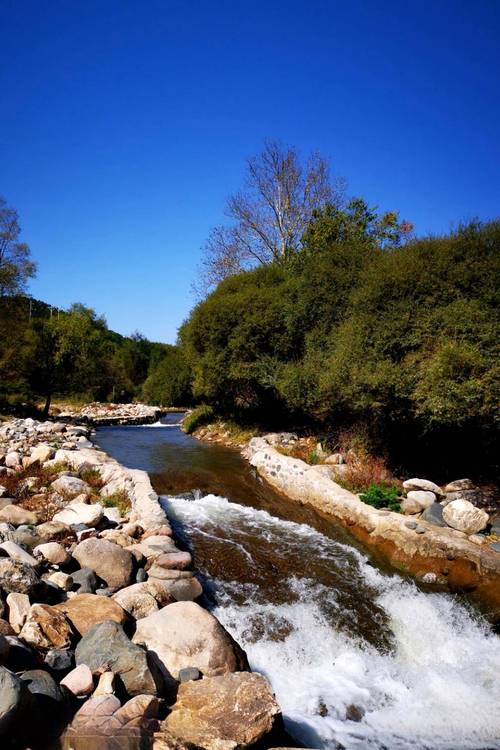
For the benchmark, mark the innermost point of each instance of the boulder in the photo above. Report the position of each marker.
(79, 681)
(4, 649)
(105, 647)
(102, 716)
(40, 454)
(53, 552)
(186, 635)
(232, 712)
(80, 513)
(421, 499)
(67, 485)
(49, 708)
(46, 628)
(85, 581)
(12, 460)
(463, 516)
(136, 600)
(15, 552)
(423, 484)
(86, 610)
(111, 563)
(458, 485)
(59, 661)
(17, 576)
(19, 607)
(106, 684)
(174, 560)
(182, 589)
(53, 530)
(154, 546)
(12, 700)
(61, 580)
(17, 516)
(434, 515)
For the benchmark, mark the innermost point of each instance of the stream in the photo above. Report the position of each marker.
(358, 657)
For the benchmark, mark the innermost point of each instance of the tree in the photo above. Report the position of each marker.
(68, 355)
(270, 215)
(16, 267)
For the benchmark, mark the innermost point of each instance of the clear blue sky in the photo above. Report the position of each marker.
(125, 123)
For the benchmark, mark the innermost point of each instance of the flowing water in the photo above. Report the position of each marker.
(357, 657)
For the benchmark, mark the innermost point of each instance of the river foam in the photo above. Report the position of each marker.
(431, 681)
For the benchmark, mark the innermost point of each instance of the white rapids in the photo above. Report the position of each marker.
(436, 687)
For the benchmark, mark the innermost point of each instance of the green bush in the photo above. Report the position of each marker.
(198, 417)
(381, 496)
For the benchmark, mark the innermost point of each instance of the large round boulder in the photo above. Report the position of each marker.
(463, 516)
(184, 634)
(111, 563)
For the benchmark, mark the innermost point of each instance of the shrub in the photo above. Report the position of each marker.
(198, 417)
(381, 496)
(364, 471)
(118, 499)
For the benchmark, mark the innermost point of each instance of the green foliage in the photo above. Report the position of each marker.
(381, 496)
(361, 330)
(169, 379)
(313, 458)
(118, 499)
(199, 416)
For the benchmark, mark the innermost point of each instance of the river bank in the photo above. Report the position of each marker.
(100, 631)
(440, 538)
(356, 655)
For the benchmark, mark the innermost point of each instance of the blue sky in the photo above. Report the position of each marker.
(126, 123)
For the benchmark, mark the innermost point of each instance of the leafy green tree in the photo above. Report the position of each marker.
(16, 266)
(169, 379)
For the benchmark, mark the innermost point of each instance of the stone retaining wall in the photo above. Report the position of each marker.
(440, 556)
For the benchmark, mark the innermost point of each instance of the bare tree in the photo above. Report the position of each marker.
(269, 216)
(16, 267)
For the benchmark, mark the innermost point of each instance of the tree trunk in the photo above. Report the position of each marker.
(46, 408)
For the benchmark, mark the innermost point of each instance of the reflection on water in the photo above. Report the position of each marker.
(354, 655)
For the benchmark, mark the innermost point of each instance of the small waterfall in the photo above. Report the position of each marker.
(355, 656)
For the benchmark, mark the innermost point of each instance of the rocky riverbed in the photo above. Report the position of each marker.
(101, 635)
(109, 414)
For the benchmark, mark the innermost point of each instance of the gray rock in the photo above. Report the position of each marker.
(4, 649)
(49, 706)
(189, 673)
(106, 647)
(411, 524)
(141, 576)
(434, 515)
(21, 656)
(420, 530)
(85, 581)
(11, 700)
(17, 576)
(60, 661)
(495, 546)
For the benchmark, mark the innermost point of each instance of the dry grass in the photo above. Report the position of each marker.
(365, 470)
